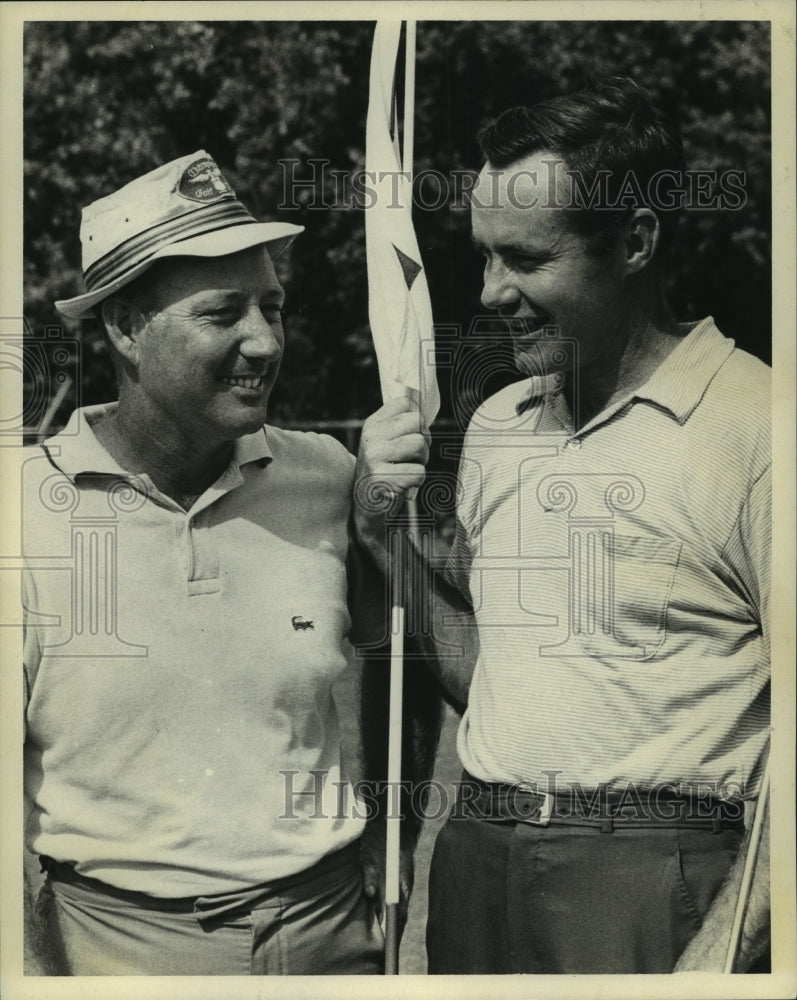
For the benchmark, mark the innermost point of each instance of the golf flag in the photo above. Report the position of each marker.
(399, 307)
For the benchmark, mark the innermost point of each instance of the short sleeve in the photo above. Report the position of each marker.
(458, 565)
(31, 648)
(749, 549)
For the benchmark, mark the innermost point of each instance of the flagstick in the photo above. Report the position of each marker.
(393, 845)
(52, 409)
(409, 100)
(408, 159)
(749, 867)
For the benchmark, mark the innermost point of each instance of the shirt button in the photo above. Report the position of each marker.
(574, 443)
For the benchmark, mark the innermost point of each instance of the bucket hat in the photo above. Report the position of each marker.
(184, 208)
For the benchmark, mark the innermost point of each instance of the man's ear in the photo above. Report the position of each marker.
(123, 323)
(642, 234)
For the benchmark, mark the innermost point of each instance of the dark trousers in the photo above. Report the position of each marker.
(507, 897)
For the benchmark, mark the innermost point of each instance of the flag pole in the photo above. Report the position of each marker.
(407, 166)
(749, 868)
(409, 100)
(393, 823)
(52, 409)
(397, 624)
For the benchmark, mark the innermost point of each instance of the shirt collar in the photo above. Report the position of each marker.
(677, 385)
(538, 387)
(681, 380)
(77, 451)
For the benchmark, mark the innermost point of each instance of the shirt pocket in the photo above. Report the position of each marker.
(637, 579)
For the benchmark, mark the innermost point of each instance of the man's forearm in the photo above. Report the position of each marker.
(391, 460)
(446, 631)
(369, 603)
(441, 623)
(708, 949)
(422, 713)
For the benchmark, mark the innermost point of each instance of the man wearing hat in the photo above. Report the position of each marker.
(186, 606)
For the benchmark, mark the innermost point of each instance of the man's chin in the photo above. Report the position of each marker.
(253, 425)
(244, 421)
(542, 357)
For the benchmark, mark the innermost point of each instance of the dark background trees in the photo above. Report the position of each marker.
(107, 101)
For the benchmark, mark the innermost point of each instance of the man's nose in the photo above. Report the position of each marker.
(262, 338)
(499, 291)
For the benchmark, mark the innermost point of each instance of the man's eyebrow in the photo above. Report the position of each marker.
(518, 249)
(211, 297)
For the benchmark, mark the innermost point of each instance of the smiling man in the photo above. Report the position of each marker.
(187, 612)
(198, 345)
(613, 541)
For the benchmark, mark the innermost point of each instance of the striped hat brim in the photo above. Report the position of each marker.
(217, 243)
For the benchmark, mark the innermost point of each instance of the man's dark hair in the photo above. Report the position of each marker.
(612, 133)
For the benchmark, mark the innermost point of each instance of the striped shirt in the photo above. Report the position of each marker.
(619, 577)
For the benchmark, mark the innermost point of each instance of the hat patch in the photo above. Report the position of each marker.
(203, 181)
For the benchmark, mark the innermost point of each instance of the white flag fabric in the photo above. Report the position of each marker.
(399, 307)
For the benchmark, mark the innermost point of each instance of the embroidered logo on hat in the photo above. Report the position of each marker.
(203, 181)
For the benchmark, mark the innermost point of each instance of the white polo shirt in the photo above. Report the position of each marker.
(178, 664)
(620, 578)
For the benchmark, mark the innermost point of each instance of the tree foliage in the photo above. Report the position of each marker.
(107, 101)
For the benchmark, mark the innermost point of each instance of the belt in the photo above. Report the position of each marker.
(657, 807)
(291, 888)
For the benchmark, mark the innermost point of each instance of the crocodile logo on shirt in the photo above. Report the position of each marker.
(299, 625)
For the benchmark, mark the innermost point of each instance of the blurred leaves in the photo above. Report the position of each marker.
(107, 101)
